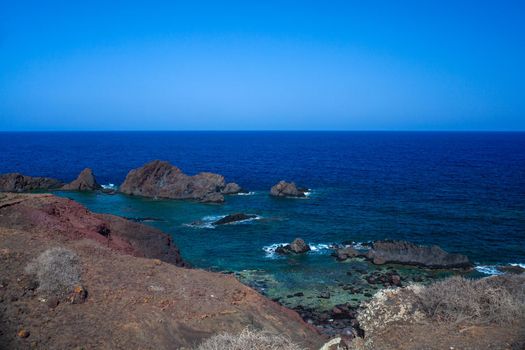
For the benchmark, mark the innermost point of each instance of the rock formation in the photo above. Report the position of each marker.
(136, 299)
(287, 189)
(228, 219)
(14, 182)
(85, 181)
(163, 180)
(402, 252)
(344, 253)
(298, 246)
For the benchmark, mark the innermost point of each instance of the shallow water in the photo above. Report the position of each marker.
(462, 191)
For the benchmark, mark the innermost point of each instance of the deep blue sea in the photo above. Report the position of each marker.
(464, 191)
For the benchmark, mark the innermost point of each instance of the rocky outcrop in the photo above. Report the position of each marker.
(14, 182)
(402, 252)
(163, 180)
(287, 189)
(85, 181)
(71, 221)
(134, 302)
(231, 188)
(232, 218)
(344, 253)
(298, 246)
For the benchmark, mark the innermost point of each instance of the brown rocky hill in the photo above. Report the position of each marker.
(137, 298)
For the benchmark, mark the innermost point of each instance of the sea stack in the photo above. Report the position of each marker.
(287, 189)
(163, 180)
(85, 181)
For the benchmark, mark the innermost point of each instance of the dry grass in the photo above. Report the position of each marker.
(497, 299)
(57, 271)
(248, 340)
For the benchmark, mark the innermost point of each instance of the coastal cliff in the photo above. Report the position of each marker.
(136, 293)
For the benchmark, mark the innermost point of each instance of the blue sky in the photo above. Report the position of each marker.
(242, 65)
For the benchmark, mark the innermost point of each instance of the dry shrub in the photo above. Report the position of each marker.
(248, 340)
(57, 271)
(497, 299)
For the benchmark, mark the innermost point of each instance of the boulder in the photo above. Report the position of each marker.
(342, 254)
(231, 188)
(15, 182)
(228, 219)
(402, 252)
(85, 181)
(163, 180)
(298, 246)
(287, 189)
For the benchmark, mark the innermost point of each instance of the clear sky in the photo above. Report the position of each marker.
(262, 65)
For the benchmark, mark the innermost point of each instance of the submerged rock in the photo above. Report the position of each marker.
(228, 219)
(15, 182)
(287, 189)
(516, 269)
(163, 180)
(298, 246)
(85, 181)
(402, 252)
(342, 254)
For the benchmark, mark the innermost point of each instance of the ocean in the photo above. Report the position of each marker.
(464, 191)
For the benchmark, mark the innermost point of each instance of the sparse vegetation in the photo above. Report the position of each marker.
(57, 271)
(248, 339)
(497, 299)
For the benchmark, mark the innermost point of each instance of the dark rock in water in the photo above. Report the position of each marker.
(395, 280)
(298, 246)
(287, 189)
(342, 254)
(163, 180)
(324, 295)
(511, 269)
(213, 198)
(231, 188)
(402, 252)
(228, 219)
(15, 182)
(85, 181)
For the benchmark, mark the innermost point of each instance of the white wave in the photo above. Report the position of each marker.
(361, 245)
(245, 193)
(270, 249)
(493, 269)
(109, 186)
(520, 265)
(488, 269)
(207, 221)
(314, 248)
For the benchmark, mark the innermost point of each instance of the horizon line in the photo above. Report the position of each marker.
(266, 130)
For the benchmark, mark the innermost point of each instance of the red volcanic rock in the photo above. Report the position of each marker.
(14, 182)
(71, 221)
(163, 180)
(125, 301)
(85, 181)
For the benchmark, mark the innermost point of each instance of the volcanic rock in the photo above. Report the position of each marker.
(342, 254)
(163, 180)
(14, 182)
(287, 189)
(85, 181)
(298, 246)
(228, 219)
(402, 252)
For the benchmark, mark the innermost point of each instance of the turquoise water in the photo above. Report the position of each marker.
(462, 191)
